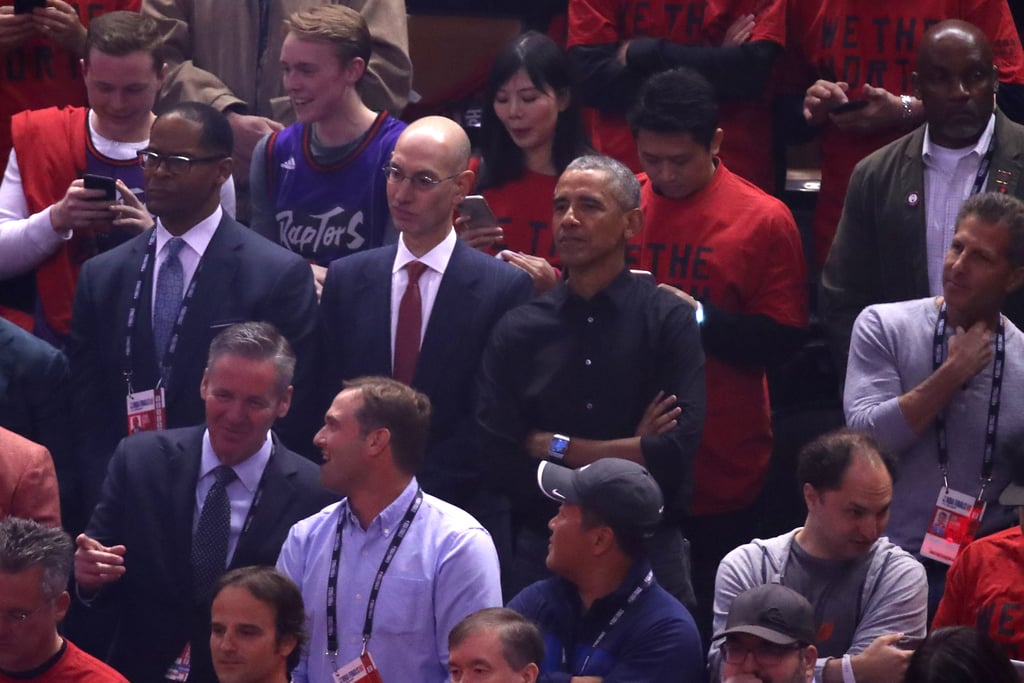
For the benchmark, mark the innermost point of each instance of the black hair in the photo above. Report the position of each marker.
(216, 135)
(547, 67)
(676, 101)
(959, 654)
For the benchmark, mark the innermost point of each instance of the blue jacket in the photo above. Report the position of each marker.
(655, 640)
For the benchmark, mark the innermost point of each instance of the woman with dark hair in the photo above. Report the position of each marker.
(959, 654)
(530, 134)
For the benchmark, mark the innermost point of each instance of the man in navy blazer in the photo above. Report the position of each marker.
(226, 274)
(463, 293)
(136, 555)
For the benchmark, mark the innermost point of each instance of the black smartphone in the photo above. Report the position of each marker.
(26, 6)
(479, 213)
(851, 105)
(101, 182)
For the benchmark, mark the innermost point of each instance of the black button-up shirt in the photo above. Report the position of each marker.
(589, 369)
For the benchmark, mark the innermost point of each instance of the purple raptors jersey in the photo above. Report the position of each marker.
(326, 212)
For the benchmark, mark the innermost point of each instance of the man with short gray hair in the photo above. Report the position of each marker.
(603, 365)
(35, 563)
(182, 505)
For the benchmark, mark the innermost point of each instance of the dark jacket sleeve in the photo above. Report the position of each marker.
(738, 73)
(680, 359)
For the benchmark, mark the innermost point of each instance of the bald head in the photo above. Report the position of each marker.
(956, 81)
(953, 31)
(429, 177)
(449, 140)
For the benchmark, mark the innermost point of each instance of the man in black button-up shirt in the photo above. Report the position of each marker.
(605, 365)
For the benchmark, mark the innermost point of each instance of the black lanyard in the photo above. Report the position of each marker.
(644, 584)
(168, 360)
(986, 162)
(371, 604)
(991, 424)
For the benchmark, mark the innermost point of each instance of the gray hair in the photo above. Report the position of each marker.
(256, 341)
(624, 185)
(999, 209)
(25, 544)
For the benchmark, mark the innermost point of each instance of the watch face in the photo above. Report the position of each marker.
(559, 445)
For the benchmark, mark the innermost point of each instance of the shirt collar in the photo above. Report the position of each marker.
(614, 600)
(249, 471)
(617, 292)
(390, 517)
(980, 147)
(436, 259)
(197, 237)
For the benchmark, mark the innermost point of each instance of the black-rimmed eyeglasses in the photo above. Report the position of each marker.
(173, 163)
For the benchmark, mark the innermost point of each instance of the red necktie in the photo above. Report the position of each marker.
(410, 322)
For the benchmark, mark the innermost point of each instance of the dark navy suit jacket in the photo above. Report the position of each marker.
(147, 504)
(243, 277)
(475, 291)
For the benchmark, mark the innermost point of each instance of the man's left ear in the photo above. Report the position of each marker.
(224, 168)
(634, 223)
(465, 182)
(716, 142)
(354, 70)
(285, 402)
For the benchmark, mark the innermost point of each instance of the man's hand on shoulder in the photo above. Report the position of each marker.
(97, 565)
(248, 131)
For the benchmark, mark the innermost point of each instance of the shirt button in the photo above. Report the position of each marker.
(586, 362)
(590, 406)
(387, 531)
(590, 318)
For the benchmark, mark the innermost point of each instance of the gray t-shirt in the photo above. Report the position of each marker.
(834, 588)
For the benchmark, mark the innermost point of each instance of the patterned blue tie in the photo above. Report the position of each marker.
(170, 287)
(210, 542)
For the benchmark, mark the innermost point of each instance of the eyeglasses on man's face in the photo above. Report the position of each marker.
(173, 163)
(765, 654)
(419, 181)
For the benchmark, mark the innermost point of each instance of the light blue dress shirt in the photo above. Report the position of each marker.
(445, 569)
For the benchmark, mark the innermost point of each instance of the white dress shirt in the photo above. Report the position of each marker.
(240, 492)
(949, 176)
(196, 240)
(436, 261)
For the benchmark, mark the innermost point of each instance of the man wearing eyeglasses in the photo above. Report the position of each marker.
(769, 637)
(35, 563)
(421, 311)
(51, 219)
(146, 311)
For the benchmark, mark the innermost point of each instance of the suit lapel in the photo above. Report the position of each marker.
(452, 317)
(372, 292)
(911, 231)
(213, 282)
(276, 493)
(144, 368)
(183, 458)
